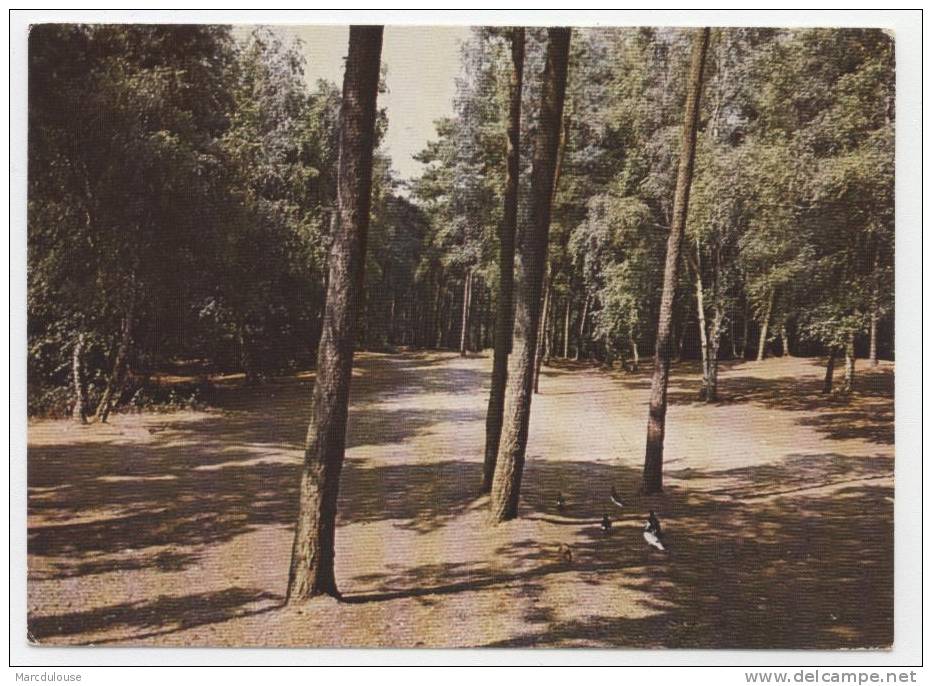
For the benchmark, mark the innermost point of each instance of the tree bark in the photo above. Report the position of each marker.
(872, 355)
(438, 314)
(506, 485)
(79, 411)
(451, 321)
(744, 332)
(829, 372)
(582, 329)
(653, 458)
(391, 318)
(478, 327)
(731, 334)
(700, 315)
(681, 341)
(762, 344)
(715, 341)
(312, 559)
(566, 329)
(464, 326)
(715, 331)
(785, 340)
(118, 375)
(849, 364)
(542, 336)
(506, 265)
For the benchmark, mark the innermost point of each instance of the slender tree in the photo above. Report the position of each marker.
(829, 372)
(464, 324)
(764, 325)
(117, 378)
(566, 329)
(312, 561)
(544, 330)
(506, 485)
(653, 460)
(79, 411)
(582, 328)
(506, 265)
(849, 364)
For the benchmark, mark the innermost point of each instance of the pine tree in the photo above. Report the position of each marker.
(312, 561)
(506, 485)
(653, 460)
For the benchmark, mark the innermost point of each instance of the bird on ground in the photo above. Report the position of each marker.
(652, 532)
(561, 502)
(653, 522)
(616, 499)
(606, 524)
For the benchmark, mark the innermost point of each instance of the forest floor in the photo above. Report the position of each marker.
(176, 529)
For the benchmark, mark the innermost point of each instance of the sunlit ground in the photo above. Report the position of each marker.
(778, 507)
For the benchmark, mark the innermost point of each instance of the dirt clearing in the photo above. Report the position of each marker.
(175, 529)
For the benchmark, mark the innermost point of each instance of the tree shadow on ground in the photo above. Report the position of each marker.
(866, 414)
(783, 573)
(792, 554)
(787, 572)
(164, 615)
(380, 376)
(187, 507)
(110, 506)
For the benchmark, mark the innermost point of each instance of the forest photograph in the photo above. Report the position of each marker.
(460, 336)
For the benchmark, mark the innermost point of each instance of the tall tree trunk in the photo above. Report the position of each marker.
(79, 411)
(762, 344)
(464, 326)
(849, 364)
(451, 320)
(506, 265)
(312, 558)
(246, 359)
(875, 316)
(118, 374)
(506, 485)
(715, 330)
(653, 458)
(681, 341)
(542, 335)
(551, 327)
(438, 314)
(582, 329)
(635, 358)
(391, 318)
(566, 329)
(715, 341)
(700, 315)
(785, 341)
(829, 372)
(731, 334)
(744, 331)
(479, 322)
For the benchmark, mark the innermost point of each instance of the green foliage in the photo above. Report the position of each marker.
(183, 179)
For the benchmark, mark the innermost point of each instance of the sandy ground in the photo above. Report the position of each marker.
(175, 529)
